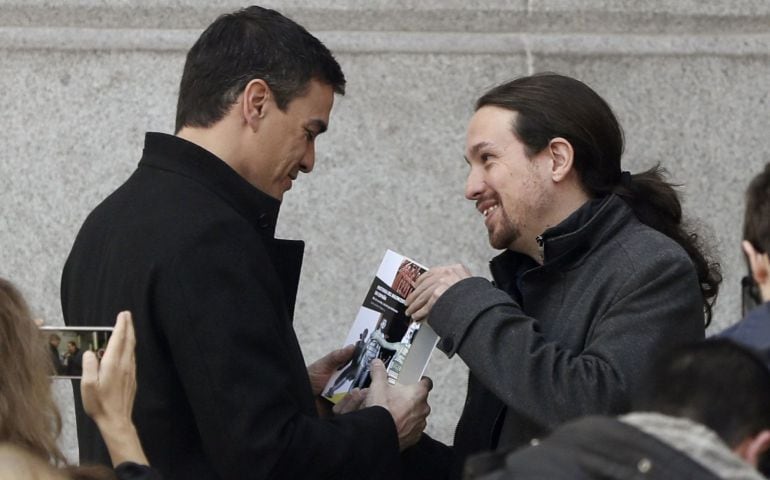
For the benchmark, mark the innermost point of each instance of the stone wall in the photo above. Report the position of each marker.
(82, 80)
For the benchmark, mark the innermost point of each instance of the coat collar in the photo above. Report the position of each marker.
(174, 154)
(565, 245)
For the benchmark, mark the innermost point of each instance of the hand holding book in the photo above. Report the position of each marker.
(407, 404)
(430, 286)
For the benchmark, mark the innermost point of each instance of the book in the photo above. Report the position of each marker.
(383, 330)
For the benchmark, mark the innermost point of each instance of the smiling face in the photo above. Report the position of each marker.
(285, 141)
(510, 189)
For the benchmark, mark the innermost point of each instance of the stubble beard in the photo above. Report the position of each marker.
(503, 234)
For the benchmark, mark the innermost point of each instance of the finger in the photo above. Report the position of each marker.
(378, 373)
(343, 405)
(427, 382)
(420, 299)
(354, 400)
(117, 343)
(423, 283)
(422, 314)
(128, 360)
(90, 371)
(342, 355)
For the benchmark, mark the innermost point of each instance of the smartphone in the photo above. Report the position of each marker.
(67, 345)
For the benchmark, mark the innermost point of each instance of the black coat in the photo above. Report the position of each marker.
(187, 245)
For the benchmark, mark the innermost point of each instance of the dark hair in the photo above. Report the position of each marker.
(549, 105)
(717, 383)
(756, 221)
(251, 43)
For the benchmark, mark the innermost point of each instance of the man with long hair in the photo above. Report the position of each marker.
(597, 270)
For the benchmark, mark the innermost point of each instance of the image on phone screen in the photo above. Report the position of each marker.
(67, 345)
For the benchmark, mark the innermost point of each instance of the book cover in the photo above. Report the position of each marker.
(382, 330)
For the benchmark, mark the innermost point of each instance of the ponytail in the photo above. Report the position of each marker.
(655, 203)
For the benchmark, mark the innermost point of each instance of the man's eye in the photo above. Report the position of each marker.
(484, 157)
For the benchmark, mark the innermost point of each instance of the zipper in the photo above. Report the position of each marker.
(541, 247)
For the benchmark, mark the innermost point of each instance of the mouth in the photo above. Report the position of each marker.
(486, 207)
(488, 211)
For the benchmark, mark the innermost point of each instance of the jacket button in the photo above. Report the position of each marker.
(447, 344)
(644, 465)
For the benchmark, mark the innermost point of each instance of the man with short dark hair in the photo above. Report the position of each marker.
(703, 415)
(187, 244)
(754, 329)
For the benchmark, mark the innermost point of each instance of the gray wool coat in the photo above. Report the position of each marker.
(549, 343)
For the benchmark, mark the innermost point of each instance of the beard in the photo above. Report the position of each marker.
(504, 232)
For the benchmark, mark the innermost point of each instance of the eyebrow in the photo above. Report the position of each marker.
(475, 149)
(318, 125)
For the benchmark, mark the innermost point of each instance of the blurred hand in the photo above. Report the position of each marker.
(407, 404)
(429, 288)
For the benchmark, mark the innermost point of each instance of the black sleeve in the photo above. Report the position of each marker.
(134, 471)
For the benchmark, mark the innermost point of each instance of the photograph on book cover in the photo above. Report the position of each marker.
(382, 330)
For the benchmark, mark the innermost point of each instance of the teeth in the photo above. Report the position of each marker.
(489, 210)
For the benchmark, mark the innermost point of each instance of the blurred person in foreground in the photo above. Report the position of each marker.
(598, 272)
(29, 418)
(704, 415)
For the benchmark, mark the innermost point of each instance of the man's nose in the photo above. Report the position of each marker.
(474, 184)
(308, 161)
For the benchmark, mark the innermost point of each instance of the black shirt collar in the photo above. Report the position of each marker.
(174, 154)
(565, 245)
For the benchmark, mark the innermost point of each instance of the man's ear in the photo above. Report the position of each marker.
(750, 449)
(255, 98)
(562, 158)
(759, 264)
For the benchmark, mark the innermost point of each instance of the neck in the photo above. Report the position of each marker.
(218, 139)
(564, 203)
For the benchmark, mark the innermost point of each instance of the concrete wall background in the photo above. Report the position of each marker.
(82, 80)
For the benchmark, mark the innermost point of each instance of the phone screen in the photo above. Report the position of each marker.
(66, 346)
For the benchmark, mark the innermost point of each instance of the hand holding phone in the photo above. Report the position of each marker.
(108, 389)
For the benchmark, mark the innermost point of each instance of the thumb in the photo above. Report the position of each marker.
(90, 373)
(342, 355)
(378, 388)
(378, 373)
